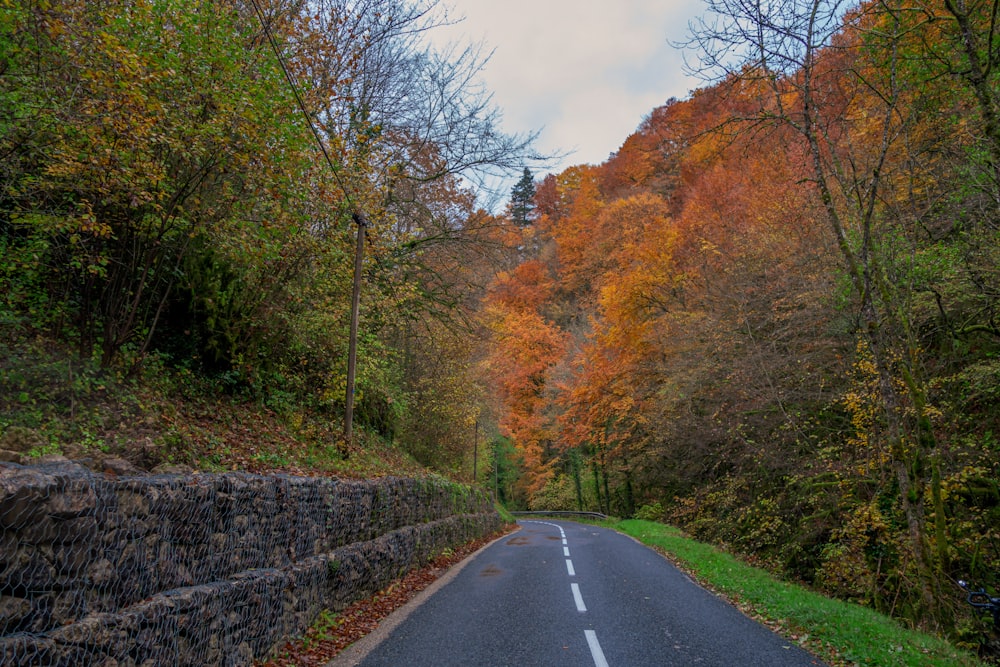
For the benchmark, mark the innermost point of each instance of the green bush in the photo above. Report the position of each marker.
(653, 512)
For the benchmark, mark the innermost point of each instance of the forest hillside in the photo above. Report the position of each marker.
(770, 318)
(180, 191)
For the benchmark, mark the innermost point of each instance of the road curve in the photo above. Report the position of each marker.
(561, 593)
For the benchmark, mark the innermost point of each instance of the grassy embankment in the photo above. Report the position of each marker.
(53, 403)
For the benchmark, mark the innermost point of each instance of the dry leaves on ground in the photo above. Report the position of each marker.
(335, 632)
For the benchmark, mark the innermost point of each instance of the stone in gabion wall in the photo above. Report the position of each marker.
(202, 569)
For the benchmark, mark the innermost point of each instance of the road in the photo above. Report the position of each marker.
(562, 593)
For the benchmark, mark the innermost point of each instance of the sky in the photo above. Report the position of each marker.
(582, 72)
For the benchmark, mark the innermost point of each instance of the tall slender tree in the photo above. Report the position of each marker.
(522, 200)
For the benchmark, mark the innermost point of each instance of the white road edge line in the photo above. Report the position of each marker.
(566, 552)
(595, 649)
(569, 568)
(578, 598)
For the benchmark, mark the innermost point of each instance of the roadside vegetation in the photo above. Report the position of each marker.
(180, 191)
(169, 419)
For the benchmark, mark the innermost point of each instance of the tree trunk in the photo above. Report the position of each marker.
(577, 483)
(597, 484)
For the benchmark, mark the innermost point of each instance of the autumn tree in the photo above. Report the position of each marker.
(130, 146)
(864, 88)
(193, 197)
(524, 348)
(426, 129)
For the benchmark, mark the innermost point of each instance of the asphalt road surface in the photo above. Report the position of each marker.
(563, 593)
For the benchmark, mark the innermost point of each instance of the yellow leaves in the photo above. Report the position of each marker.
(863, 403)
(967, 481)
(633, 291)
(933, 413)
(707, 247)
(87, 223)
(75, 227)
(600, 405)
(847, 566)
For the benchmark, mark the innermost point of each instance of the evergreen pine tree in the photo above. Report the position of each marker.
(522, 200)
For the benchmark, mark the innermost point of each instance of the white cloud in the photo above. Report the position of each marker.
(587, 71)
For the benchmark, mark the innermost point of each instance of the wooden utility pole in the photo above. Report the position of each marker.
(352, 344)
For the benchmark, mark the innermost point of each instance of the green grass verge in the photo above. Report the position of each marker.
(504, 513)
(839, 633)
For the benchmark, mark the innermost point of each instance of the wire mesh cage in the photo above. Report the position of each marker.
(202, 569)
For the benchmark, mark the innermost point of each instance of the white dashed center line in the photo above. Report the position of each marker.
(577, 598)
(595, 649)
(595, 646)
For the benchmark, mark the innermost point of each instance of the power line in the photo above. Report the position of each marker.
(298, 98)
(357, 215)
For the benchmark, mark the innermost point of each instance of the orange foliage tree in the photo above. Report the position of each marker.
(524, 348)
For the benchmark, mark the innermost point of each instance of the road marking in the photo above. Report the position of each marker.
(578, 598)
(565, 542)
(569, 568)
(562, 533)
(566, 552)
(595, 649)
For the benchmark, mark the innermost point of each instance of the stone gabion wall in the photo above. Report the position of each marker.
(202, 569)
